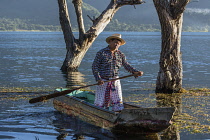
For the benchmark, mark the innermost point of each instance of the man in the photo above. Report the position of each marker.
(105, 67)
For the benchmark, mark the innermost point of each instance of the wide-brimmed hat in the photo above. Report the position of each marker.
(115, 36)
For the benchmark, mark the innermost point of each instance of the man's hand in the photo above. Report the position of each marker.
(100, 82)
(139, 73)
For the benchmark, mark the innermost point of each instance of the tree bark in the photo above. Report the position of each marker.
(77, 48)
(170, 14)
(67, 32)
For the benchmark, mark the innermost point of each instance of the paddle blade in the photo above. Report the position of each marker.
(49, 96)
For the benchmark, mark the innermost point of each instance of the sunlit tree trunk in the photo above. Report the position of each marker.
(170, 14)
(77, 48)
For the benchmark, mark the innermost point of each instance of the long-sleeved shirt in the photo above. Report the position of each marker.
(106, 65)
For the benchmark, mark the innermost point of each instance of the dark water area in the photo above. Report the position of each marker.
(33, 60)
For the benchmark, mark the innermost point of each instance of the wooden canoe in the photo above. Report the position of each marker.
(132, 119)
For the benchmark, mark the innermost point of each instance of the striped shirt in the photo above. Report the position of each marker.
(106, 65)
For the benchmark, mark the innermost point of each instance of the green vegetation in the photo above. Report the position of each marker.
(24, 25)
(25, 89)
(196, 28)
(115, 25)
(39, 15)
(28, 25)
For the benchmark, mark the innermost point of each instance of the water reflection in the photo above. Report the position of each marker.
(170, 100)
(74, 79)
(68, 125)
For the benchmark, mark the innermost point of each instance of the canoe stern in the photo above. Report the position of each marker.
(143, 120)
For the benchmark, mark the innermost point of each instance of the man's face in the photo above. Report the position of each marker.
(114, 44)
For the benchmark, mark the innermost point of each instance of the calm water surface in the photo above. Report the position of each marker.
(33, 59)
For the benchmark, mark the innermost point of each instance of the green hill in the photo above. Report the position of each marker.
(43, 15)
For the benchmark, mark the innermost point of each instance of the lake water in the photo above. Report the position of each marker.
(33, 59)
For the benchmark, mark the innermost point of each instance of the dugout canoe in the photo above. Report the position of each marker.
(132, 119)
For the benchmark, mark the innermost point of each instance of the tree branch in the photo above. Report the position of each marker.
(65, 23)
(179, 7)
(78, 10)
(93, 20)
(174, 8)
(103, 19)
(162, 6)
(129, 2)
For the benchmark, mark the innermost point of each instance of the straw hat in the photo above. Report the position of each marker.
(115, 36)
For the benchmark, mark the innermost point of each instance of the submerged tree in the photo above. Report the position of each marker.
(170, 14)
(77, 48)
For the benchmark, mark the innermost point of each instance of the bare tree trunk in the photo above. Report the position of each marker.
(77, 48)
(68, 34)
(169, 78)
(170, 14)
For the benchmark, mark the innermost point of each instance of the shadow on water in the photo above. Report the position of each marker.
(68, 125)
(74, 79)
(170, 100)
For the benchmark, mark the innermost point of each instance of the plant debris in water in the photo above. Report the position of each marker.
(192, 107)
(26, 93)
(25, 89)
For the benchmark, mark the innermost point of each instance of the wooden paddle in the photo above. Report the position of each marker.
(56, 94)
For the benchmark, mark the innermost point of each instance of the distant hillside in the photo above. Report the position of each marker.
(44, 14)
(38, 11)
(146, 13)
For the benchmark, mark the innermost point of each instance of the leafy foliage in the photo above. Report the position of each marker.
(22, 25)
